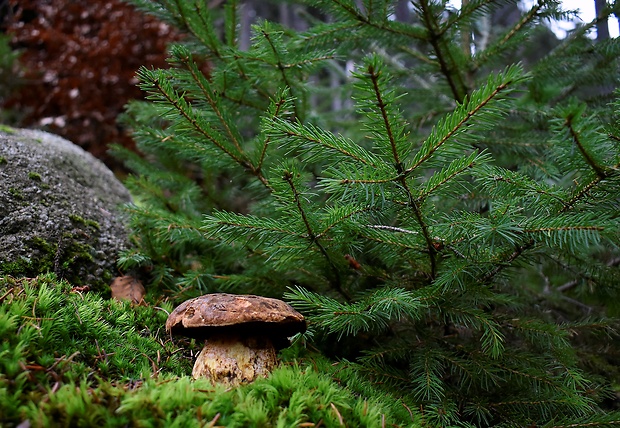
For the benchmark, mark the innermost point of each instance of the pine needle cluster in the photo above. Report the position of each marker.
(437, 195)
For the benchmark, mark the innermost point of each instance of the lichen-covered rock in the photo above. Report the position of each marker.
(59, 209)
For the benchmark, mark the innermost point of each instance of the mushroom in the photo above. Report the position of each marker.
(241, 334)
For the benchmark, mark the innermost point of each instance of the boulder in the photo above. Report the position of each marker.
(59, 209)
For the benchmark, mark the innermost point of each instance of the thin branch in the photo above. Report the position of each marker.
(364, 20)
(391, 228)
(374, 77)
(466, 9)
(458, 126)
(282, 69)
(200, 81)
(288, 177)
(349, 215)
(506, 263)
(600, 172)
(238, 159)
(426, 193)
(513, 32)
(263, 152)
(211, 43)
(446, 62)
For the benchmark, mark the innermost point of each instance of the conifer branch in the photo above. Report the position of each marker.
(456, 168)
(211, 40)
(250, 224)
(322, 143)
(238, 63)
(279, 106)
(205, 88)
(600, 171)
(505, 263)
(585, 191)
(243, 101)
(185, 58)
(288, 177)
(308, 61)
(446, 61)
(515, 30)
(466, 11)
(373, 73)
(328, 32)
(419, 55)
(591, 423)
(282, 69)
(392, 228)
(430, 247)
(466, 117)
(184, 108)
(343, 214)
(564, 229)
(510, 178)
(374, 77)
(357, 15)
(369, 181)
(528, 17)
(231, 23)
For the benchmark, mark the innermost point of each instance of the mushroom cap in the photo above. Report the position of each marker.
(221, 313)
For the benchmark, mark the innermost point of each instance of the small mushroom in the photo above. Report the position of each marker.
(241, 334)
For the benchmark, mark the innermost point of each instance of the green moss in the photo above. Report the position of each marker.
(21, 267)
(78, 219)
(7, 129)
(69, 261)
(111, 364)
(43, 245)
(30, 267)
(73, 253)
(16, 193)
(291, 397)
(34, 176)
(3, 160)
(43, 261)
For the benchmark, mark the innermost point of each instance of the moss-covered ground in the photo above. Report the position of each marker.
(74, 359)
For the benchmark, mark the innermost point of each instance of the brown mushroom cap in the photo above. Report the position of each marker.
(236, 314)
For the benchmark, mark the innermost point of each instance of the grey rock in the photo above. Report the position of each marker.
(59, 209)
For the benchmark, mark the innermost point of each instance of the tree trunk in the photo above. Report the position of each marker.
(602, 28)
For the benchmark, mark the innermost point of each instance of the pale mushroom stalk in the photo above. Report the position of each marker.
(235, 359)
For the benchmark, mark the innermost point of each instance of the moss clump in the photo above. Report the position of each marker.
(44, 318)
(74, 359)
(81, 220)
(21, 267)
(32, 266)
(7, 129)
(3, 160)
(52, 336)
(290, 397)
(34, 176)
(67, 258)
(16, 193)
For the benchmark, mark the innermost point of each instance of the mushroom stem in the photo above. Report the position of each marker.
(235, 359)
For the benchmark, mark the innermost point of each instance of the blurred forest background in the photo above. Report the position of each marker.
(69, 66)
